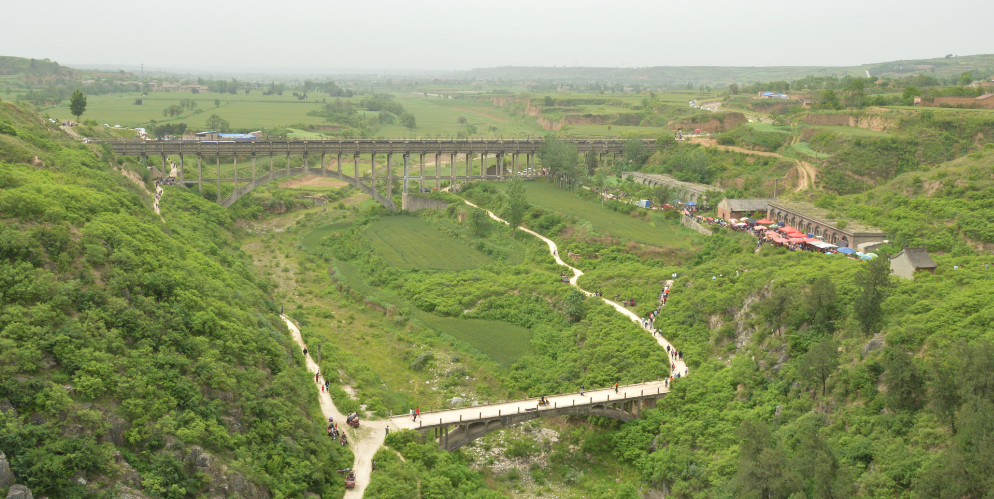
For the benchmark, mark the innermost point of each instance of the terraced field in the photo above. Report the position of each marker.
(409, 242)
(659, 232)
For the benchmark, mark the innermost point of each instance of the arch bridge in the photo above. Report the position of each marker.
(454, 428)
(690, 191)
(505, 153)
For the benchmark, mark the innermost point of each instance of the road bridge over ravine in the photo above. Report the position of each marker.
(455, 428)
(501, 150)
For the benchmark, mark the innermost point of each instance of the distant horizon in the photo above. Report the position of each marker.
(433, 35)
(329, 72)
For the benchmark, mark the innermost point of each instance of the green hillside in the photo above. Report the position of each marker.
(130, 345)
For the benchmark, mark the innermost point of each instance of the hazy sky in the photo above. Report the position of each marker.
(251, 35)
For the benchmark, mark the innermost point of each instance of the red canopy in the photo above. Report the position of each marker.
(798, 240)
(770, 233)
(789, 229)
(764, 221)
(779, 240)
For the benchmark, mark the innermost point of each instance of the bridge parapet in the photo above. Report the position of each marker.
(471, 423)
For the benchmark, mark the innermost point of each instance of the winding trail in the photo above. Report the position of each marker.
(681, 366)
(371, 434)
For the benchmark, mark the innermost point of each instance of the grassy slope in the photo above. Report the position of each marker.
(156, 326)
(410, 243)
(604, 221)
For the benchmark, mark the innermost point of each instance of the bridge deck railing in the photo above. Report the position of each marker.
(535, 398)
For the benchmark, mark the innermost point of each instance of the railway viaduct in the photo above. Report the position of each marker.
(506, 152)
(690, 191)
(454, 428)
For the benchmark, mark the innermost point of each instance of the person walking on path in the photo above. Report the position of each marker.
(417, 411)
(412, 414)
(615, 387)
(581, 389)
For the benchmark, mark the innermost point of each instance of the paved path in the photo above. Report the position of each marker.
(364, 441)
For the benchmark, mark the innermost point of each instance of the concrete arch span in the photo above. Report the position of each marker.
(290, 172)
(453, 435)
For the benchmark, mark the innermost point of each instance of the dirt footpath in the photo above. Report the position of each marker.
(364, 441)
(312, 181)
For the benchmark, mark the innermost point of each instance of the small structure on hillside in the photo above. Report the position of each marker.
(911, 260)
(738, 208)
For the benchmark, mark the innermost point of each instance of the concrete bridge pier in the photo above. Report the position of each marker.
(421, 183)
(253, 166)
(181, 170)
(338, 165)
(200, 172)
(389, 176)
(407, 165)
(234, 160)
(372, 170)
(217, 157)
(355, 172)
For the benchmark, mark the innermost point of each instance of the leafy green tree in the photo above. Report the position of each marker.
(965, 79)
(734, 88)
(461, 120)
(819, 363)
(215, 122)
(662, 194)
(386, 117)
(217, 102)
(592, 162)
(562, 158)
(874, 281)
(408, 120)
(77, 103)
(904, 381)
(910, 92)
(829, 100)
(517, 203)
(573, 305)
(479, 221)
(822, 304)
(777, 307)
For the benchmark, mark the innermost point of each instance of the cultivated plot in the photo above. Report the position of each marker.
(408, 242)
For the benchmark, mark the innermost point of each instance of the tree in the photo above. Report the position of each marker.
(734, 88)
(77, 103)
(479, 221)
(217, 102)
(408, 120)
(548, 101)
(662, 194)
(822, 305)
(516, 205)
(776, 308)
(592, 162)
(873, 280)
(711, 198)
(904, 381)
(965, 79)
(819, 363)
(215, 122)
(574, 304)
(562, 158)
(910, 92)
(829, 100)
(461, 120)
(854, 93)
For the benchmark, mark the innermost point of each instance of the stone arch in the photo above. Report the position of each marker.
(278, 174)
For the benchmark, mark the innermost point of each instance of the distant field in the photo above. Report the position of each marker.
(312, 240)
(771, 128)
(851, 130)
(658, 233)
(408, 242)
(242, 111)
(804, 148)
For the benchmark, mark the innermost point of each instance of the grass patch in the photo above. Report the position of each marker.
(659, 232)
(804, 148)
(501, 341)
(851, 130)
(409, 242)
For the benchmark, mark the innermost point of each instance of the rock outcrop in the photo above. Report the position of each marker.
(19, 492)
(6, 474)
(7, 408)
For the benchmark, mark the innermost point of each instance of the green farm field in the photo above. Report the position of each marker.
(242, 111)
(804, 148)
(851, 130)
(408, 242)
(660, 232)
